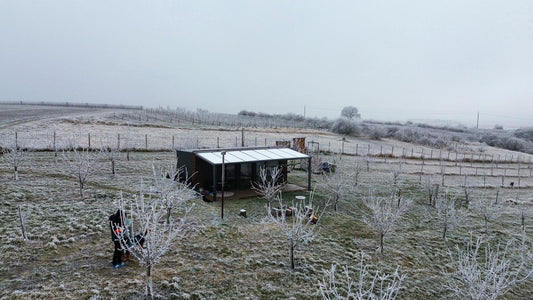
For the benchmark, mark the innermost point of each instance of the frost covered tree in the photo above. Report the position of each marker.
(270, 184)
(487, 209)
(297, 223)
(172, 186)
(111, 151)
(350, 113)
(361, 285)
(15, 156)
(383, 213)
(448, 214)
(149, 214)
(485, 273)
(395, 173)
(337, 185)
(80, 163)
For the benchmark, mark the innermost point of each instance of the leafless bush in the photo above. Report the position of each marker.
(383, 215)
(485, 274)
(363, 285)
(270, 183)
(345, 127)
(299, 226)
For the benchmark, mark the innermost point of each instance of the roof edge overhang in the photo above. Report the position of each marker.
(248, 155)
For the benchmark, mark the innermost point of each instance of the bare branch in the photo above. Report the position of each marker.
(362, 285)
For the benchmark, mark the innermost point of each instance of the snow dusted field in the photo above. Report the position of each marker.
(68, 251)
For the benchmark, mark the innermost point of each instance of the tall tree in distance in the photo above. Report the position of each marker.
(350, 113)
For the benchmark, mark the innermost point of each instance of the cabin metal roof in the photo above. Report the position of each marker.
(247, 155)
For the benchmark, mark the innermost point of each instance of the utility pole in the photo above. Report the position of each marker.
(477, 124)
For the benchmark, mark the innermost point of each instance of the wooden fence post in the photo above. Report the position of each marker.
(88, 140)
(146, 141)
(55, 148)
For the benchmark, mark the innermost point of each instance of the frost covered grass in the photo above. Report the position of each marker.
(68, 251)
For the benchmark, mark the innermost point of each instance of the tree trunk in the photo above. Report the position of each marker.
(23, 227)
(149, 283)
(113, 167)
(445, 230)
(381, 235)
(81, 188)
(291, 253)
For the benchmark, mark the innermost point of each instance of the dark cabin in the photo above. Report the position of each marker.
(241, 166)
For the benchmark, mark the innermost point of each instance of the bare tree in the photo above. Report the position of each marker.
(357, 168)
(448, 214)
(467, 190)
(80, 164)
(111, 152)
(363, 285)
(298, 224)
(485, 274)
(16, 156)
(172, 186)
(383, 214)
(157, 234)
(270, 183)
(487, 209)
(337, 185)
(368, 159)
(395, 172)
(431, 189)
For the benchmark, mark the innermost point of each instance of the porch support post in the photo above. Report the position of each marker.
(309, 174)
(214, 182)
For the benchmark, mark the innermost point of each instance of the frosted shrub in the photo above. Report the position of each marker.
(345, 127)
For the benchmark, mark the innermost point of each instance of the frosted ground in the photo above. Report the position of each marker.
(68, 254)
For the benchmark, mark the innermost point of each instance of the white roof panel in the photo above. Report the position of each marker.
(250, 155)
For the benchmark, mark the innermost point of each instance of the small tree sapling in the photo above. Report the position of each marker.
(487, 274)
(270, 184)
(172, 186)
(80, 164)
(363, 285)
(300, 226)
(487, 209)
(447, 212)
(383, 213)
(149, 213)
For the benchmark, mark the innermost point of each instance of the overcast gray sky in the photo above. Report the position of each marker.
(394, 60)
